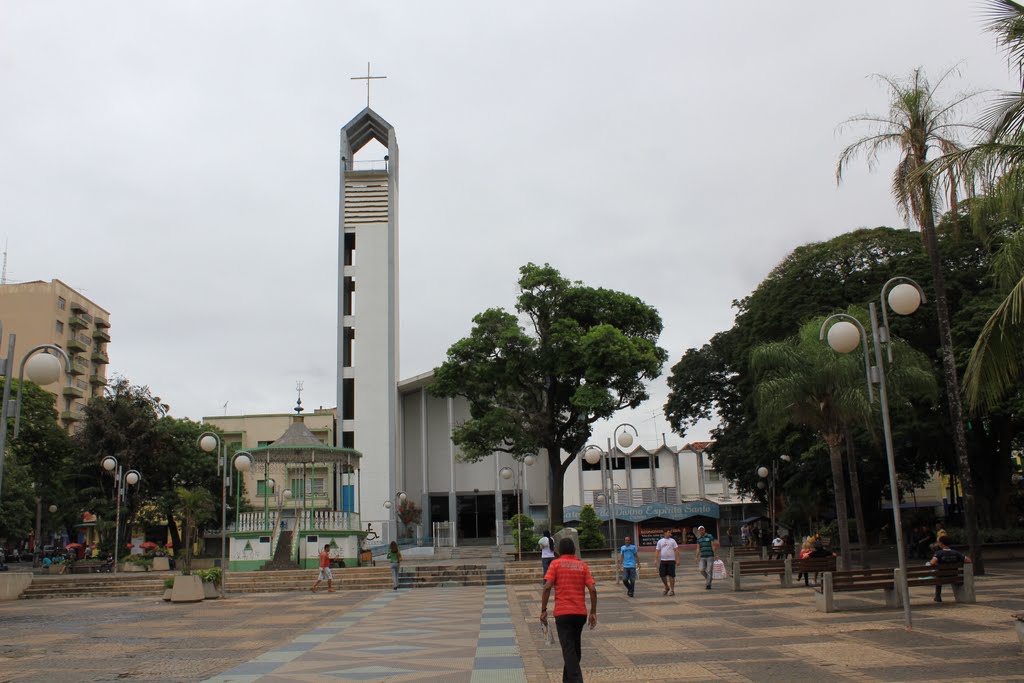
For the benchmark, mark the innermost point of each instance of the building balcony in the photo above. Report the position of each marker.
(77, 322)
(75, 346)
(74, 392)
(78, 367)
(99, 357)
(101, 322)
(70, 416)
(101, 335)
(77, 307)
(97, 380)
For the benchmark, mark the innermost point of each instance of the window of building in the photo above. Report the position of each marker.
(712, 475)
(318, 486)
(261, 444)
(617, 464)
(262, 489)
(298, 488)
(60, 327)
(61, 302)
(642, 462)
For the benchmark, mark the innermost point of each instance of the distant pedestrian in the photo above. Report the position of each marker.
(668, 557)
(571, 577)
(325, 570)
(745, 534)
(547, 552)
(945, 555)
(395, 560)
(628, 562)
(706, 555)
(778, 547)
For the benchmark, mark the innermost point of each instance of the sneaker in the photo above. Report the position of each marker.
(630, 595)
(938, 599)
(666, 592)
(330, 590)
(671, 592)
(708, 586)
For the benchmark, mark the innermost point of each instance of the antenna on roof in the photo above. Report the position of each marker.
(3, 276)
(298, 403)
(225, 406)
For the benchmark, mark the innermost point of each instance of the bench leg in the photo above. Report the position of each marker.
(893, 597)
(823, 601)
(787, 573)
(965, 592)
(734, 578)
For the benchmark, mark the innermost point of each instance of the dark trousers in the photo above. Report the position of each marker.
(629, 579)
(570, 628)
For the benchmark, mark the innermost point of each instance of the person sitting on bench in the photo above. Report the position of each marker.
(945, 555)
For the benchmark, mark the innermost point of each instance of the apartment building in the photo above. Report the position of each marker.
(41, 312)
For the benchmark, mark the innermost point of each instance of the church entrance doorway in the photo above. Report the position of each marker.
(476, 518)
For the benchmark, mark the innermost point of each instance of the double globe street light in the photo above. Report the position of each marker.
(594, 454)
(122, 480)
(392, 508)
(507, 473)
(211, 442)
(846, 333)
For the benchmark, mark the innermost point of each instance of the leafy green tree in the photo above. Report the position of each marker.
(588, 352)
(589, 530)
(195, 506)
(39, 464)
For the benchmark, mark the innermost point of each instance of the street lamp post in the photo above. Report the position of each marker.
(400, 497)
(845, 334)
(121, 480)
(594, 454)
(43, 368)
(508, 473)
(211, 442)
(764, 473)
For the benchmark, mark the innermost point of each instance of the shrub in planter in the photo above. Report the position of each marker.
(212, 575)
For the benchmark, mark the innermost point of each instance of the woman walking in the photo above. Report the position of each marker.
(395, 558)
(547, 553)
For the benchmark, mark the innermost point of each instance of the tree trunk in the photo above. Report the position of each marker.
(172, 528)
(557, 494)
(949, 375)
(858, 507)
(839, 486)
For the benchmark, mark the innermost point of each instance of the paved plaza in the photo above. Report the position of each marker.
(477, 634)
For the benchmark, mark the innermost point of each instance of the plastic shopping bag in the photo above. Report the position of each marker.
(718, 570)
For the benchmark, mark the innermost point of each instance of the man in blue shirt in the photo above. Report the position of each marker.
(706, 554)
(628, 563)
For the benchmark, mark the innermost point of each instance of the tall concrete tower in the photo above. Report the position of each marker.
(368, 308)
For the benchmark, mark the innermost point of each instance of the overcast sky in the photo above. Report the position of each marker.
(178, 163)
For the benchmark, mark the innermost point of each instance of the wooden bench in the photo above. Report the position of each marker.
(84, 566)
(961, 577)
(814, 565)
(745, 552)
(763, 567)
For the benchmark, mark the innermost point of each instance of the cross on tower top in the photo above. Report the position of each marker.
(367, 78)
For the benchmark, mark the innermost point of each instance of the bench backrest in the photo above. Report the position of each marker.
(854, 578)
(762, 566)
(815, 564)
(945, 573)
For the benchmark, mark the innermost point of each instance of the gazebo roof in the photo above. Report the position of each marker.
(299, 445)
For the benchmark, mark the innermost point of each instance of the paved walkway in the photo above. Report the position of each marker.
(480, 635)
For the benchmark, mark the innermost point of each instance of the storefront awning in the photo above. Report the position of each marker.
(639, 513)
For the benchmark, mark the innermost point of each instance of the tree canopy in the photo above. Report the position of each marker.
(539, 381)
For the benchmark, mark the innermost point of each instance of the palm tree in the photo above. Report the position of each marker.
(917, 124)
(196, 507)
(802, 381)
(996, 364)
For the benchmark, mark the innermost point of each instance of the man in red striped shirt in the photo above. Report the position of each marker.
(571, 576)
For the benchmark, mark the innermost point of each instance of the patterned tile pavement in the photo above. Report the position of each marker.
(480, 635)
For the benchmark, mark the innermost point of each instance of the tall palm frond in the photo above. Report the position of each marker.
(997, 358)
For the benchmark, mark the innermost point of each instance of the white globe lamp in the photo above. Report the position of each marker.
(53, 508)
(243, 463)
(529, 460)
(762, 472)
(506, 472)
(387, 504)
(208, 443)
(109, 463)
(624, 439)
(843, 337)
(132, 478)
(592, 456)
(904, 299)
(43, 368)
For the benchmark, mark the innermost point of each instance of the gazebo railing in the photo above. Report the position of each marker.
(320, 520)
(256, 521)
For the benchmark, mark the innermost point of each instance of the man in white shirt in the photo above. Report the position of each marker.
(668, 556)
(778, 548)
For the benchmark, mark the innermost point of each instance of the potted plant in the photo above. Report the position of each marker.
(211, 579)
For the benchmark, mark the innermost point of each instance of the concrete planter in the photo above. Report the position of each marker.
(210, 590)
(133, 567)
(167, 594)
(1019, 624)
(187, 589)
(161, 564)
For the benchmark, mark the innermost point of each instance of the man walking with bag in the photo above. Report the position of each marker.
(571, 577)
(706, 555)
